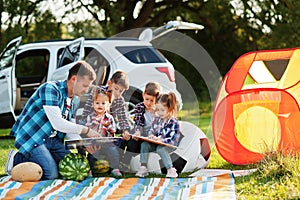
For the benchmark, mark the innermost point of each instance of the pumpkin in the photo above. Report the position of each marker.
(27, 171)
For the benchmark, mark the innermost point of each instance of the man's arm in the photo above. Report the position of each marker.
(58, 123)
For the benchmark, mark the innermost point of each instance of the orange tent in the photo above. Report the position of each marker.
(257, 108)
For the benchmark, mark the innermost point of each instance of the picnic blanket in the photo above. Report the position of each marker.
(200, 187)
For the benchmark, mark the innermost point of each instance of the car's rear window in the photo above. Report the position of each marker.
(141, 54)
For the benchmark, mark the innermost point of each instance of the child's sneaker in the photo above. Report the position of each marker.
(90, 174)
(143, 171)
(171, 173)
(116, 172)
(10, 161)
(124, 167)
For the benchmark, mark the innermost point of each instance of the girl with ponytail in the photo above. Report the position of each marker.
(165, 128)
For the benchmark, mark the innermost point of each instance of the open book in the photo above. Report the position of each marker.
(72, 143)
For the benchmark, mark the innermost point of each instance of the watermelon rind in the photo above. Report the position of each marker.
(74, 166)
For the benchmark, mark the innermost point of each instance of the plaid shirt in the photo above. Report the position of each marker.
(117, 110)
(33, 126)
(139, 118)
(105, 124)
(168, 131)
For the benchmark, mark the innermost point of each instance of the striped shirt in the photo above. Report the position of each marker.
(142, 123)
(33, 126)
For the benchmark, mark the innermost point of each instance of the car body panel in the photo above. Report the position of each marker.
(72, 53)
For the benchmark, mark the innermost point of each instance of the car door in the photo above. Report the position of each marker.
(7, 77)
(71, 54)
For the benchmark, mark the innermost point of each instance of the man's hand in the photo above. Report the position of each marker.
(126, 135)
(93, 134)
(93, 148)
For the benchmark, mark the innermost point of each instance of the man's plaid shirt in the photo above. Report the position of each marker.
(33, 126)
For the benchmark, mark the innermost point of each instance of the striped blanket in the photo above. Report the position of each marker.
(200, 187)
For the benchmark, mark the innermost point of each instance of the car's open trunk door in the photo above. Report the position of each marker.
(150, 35)
(73, 52)
(7, 78)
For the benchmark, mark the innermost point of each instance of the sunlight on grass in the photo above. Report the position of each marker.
(5, 146)
(4, 132)
(277, 177)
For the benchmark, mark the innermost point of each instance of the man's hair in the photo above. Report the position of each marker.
(120, 78)
(82, 68)
(152, 88)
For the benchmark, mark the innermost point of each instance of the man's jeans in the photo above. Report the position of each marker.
(47, 156)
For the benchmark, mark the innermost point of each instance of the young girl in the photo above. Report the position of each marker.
(102, 122)
(165, 128)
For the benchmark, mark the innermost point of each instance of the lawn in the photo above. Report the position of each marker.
(277, 176)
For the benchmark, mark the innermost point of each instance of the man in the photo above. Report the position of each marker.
(40, 129)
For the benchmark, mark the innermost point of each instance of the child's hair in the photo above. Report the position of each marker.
(152, 88)
(169, 100)
(120, 78)
(101, 91)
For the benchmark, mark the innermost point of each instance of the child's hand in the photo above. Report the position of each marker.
(151, 136)
(160, 139)
(105, 122)
(126, 135)
(137, 133)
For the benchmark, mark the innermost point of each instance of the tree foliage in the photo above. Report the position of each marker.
(232, 27)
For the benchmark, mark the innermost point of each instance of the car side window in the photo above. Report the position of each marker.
(99, 64)
(141, 54)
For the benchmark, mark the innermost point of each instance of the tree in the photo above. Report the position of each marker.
(26, 18)
(232, 27)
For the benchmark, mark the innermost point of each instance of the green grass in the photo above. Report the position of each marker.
(277, 177)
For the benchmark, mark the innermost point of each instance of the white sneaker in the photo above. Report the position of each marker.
(10, 161)
(171, 173)
(143, 171)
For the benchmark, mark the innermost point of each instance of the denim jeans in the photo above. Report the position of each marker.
(47, 156)
(162, 151)
(133, 148)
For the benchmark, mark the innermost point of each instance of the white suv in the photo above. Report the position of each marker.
(24, 67)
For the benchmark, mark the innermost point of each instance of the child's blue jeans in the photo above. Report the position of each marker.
(162, 151)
